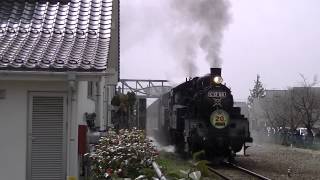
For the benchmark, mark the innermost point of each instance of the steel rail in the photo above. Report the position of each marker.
(247, 171)
(219, 174)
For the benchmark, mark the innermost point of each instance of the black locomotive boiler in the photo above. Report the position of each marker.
(199, 115)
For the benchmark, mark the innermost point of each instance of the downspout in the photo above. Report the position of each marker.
(72, 128)
(109, 89)
(99, 105)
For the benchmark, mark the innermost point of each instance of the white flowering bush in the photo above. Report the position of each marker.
(125, 154)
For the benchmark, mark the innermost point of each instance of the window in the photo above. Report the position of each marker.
(90, 89)
(2, 93)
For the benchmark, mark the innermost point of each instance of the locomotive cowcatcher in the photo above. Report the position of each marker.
(199, 115)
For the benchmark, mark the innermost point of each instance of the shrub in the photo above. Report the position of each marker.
(126, 154)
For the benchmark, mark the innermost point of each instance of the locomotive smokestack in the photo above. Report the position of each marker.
(215, 71)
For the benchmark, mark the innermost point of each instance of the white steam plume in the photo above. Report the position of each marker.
(199, 23)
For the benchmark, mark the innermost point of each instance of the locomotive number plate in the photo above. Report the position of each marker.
(217, 94)
(219, 119)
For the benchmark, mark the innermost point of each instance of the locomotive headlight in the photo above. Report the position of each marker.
(217, 80)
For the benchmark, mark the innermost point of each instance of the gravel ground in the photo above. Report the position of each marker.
(273, 161)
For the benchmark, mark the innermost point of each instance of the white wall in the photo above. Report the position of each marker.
(84, 103)
(13, 127)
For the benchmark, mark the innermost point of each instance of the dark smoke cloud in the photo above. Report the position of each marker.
(186, 29)
(185, 52)
(199, 23)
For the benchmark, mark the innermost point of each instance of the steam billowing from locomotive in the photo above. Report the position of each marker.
(199, 24)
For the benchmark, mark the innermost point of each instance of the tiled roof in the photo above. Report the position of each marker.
(55, 35)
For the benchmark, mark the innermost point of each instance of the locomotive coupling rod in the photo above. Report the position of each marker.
(158, 171)
(248, 171)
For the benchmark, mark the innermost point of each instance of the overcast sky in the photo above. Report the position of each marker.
(277, 39)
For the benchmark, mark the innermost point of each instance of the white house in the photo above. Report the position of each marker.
(58, 60)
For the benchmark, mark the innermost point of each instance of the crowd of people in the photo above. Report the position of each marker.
(285, 136)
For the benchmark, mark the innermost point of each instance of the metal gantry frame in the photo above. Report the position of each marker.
(144, 88)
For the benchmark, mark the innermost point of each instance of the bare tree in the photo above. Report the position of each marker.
(289, 113)
(272, 113)
(292, 108)
(306, 101)
(280, 111)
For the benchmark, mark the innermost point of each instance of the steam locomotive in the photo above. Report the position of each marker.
(199, 115)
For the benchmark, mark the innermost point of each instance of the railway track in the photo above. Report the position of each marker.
(234, 172)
